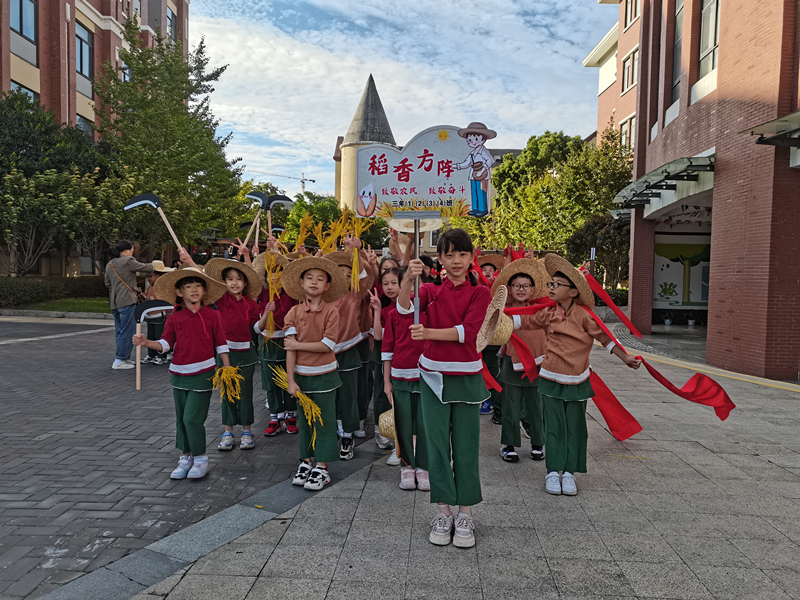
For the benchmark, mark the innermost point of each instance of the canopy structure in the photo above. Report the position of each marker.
(664, 178)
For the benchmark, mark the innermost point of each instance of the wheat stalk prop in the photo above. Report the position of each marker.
(359, 226)
(305, 228)
(310, 408)
(229, 383)
(271, 268)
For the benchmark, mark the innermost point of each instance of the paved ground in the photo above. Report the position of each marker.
(677, 341)
(690, 508)
(85, 461)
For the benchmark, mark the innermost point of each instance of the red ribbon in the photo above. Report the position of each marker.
(525, 356)
(491, 382)
(621, 423)
(603, 295)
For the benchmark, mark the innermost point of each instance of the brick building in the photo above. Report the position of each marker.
(717, 102)
(53, 49)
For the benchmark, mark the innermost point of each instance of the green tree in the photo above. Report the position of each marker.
(540, 155)
(31, 141)
(611, 239)
(158, 122)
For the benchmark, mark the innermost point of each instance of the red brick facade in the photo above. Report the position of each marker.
(53, 76)
(754, 276)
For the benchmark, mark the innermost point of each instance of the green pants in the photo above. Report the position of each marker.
(241, 411)
(191, 410)
(407, 421)
(326, 446)
(155, 329)
(566, 434)
(278, 399)
(380, 402)
(453, 425)
(515, 398)
(492, 361)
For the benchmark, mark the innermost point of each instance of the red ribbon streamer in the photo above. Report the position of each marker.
(603, 295)
(481, 277)
(526, 356)
(491, 382)
(621, 423)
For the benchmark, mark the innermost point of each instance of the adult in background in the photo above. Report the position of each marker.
(123, 297)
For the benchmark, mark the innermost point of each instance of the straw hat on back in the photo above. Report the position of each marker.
(492, 319)
(164, 288)
(527, 266)
(337, 289)
(216, 266)
(555, 263)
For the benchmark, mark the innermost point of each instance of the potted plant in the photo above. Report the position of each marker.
(667, 317)
(691, 318)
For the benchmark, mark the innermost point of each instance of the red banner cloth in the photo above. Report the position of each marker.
(621, 423)
(603, 295)
(526, 357)
(491, 382)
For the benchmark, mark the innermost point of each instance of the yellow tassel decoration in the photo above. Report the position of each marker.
(310, 408)
(229, 383)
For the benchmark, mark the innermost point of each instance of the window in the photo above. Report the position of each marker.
(84, 50)
(630, 70)
(124, 72)
(627, 131)
(15, 86)
(172, 25)
(631, 11)
(137, 7)
(435, 238)
(709, 37)
(23, 18)
(85, 125)
(676, 51)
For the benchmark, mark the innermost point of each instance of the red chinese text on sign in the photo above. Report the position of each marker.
(426, 160)
(445, 167)
(378, 165)
(403, 170)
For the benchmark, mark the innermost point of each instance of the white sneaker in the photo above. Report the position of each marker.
(226, 443)
(382, 442)
(360, 433)
(247, 441)
(464, 536)
(568, 486)
(317, 479)
(146, 360)
(441, 530)
(408, 479)
(301, 476)
(423, 480)
(123, 365)
(199, 468)
(552, 483)
(393, 460)
(184, 464)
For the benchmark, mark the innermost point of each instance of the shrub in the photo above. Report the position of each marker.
(619, 296)
(21, 291)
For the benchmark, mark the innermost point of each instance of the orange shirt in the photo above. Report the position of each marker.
(320, 325)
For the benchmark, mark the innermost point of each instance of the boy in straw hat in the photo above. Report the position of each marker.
(196, 333)
(155, 321)
(239, 313)
(270, 349)
(480, 162)
(349, 336)
(565, 371)
(526, 280)
(312, 326)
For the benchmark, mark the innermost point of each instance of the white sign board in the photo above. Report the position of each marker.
(443, 168)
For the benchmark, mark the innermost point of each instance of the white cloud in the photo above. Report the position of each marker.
(296, 75)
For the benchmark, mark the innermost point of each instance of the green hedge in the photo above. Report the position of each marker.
(21, 291)
(619, 296)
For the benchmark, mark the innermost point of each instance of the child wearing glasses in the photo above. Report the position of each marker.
(565, 386)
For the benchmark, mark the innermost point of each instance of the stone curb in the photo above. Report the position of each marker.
(138, 571)
(54, 314)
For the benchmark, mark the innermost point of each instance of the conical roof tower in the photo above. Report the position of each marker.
(369, 124)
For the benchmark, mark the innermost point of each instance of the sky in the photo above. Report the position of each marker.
(297, 69)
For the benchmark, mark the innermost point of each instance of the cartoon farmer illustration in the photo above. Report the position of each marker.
(480, 161)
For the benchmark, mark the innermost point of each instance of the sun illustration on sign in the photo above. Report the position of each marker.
(443, 135)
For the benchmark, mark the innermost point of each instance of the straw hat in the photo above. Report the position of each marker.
(290, 279)
(345, 259)
(291, 255)
(479, 128)
(258, 262)
(527, 266)
(407, 225)
(216, 266)
(160, 267)
(504, 330)
(164, 288)
(492, 319)
(495, 260)
(554, 263)
(386, 424)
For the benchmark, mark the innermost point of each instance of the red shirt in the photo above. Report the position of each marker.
(238, 318)
(463, 307)
(283, 304)
(195, 337)
(398, 346)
